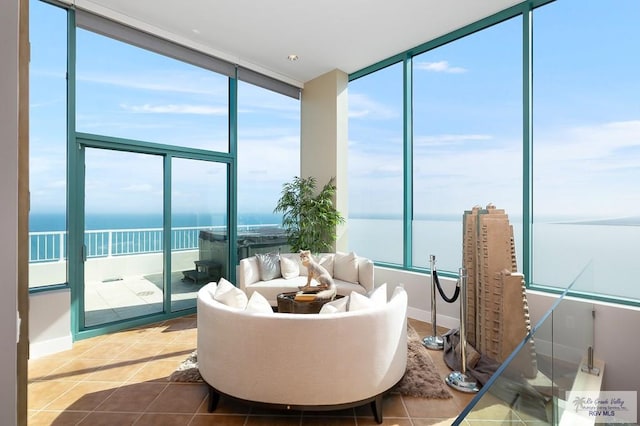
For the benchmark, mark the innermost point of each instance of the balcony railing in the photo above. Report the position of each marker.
(52, 246)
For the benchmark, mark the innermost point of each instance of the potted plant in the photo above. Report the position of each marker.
(309, 219)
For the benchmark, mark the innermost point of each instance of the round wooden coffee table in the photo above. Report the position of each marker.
(288, 304)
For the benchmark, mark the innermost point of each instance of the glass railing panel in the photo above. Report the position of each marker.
(532, 383)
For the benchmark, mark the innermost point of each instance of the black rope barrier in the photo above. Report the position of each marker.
(456, 293)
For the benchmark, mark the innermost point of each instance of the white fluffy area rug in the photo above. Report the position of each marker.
(420, 380)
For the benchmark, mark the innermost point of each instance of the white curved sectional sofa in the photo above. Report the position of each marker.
(349, 271)
(318, 361)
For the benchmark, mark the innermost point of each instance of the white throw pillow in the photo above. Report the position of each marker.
(289, 267)
(359, 301)
(258, 303)
(345, 267)
(230, 295)
(337, 305)
(379, 295)
(212, 287)
(268, 265)
(326, 261)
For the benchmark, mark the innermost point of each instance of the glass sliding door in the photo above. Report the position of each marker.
(199, 243)
(123, 236)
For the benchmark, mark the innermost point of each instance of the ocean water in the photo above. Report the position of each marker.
(44, 222)
(605, 250)
(607, 253)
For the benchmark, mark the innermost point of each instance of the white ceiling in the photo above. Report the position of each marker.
(330, 34)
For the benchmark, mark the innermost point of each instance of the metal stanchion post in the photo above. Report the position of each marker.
(434, 342)
(459, 380)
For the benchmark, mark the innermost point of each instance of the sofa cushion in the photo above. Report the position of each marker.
(268, 265)
(337, 305)
(326, 261)
(228, 294)
(379, 295)
(211, 288)
(359, 301)
(258, 303)
(289, 267)
(345, 267)
(377, 298)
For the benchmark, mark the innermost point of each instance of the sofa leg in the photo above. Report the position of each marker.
(214, 397)
(376, 407)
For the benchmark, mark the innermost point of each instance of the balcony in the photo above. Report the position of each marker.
(124, 267)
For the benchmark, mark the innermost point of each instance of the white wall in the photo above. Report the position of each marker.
(418, 287)
(9, 19)
(49, 322)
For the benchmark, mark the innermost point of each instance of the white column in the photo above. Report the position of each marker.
(324, 138)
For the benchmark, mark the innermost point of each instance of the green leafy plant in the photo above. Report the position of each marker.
(310, 220)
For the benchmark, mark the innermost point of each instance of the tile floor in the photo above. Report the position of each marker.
(122, 379)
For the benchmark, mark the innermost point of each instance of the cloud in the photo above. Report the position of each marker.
(447, 139)
(176, 109)
(362, 106)
(173, 82)
(440, 66)
(140, 187)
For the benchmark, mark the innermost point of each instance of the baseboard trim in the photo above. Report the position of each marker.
(48, 347)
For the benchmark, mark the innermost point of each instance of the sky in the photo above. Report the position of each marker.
(467, 122)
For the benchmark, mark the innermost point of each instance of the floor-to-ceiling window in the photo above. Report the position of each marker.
(155, 193)
(467, 138)
(268, 156)
(48, 142)
(586, 145)
(375, 165)
(551, 137)
(151, 166)
(127, 92)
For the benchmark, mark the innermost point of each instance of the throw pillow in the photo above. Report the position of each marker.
(289, 267)
(258, 303)
(379, 295)
(337, 305)
(230, 295)
(326, 261)
(345, 267)
(359, 301)
(212, 287)
(268, 265)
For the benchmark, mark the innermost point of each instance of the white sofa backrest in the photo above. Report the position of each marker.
(274, 357)
(249, 273)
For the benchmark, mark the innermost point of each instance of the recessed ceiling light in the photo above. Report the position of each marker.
(292, 58)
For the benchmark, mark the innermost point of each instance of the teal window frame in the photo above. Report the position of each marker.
(77, 141)
(525, 10)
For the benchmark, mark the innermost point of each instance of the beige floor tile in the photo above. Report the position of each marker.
(434, 408)
(41, 394)
(156, 371)
(132, 398)
(44, 367)
(218, 420)
(272, 421)
(328, 421)
(152, 419)
(77, 369)
(179, 398)
(110, 419)
(119, 370)
(58, 418)
(122, 378)
(84, 396)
